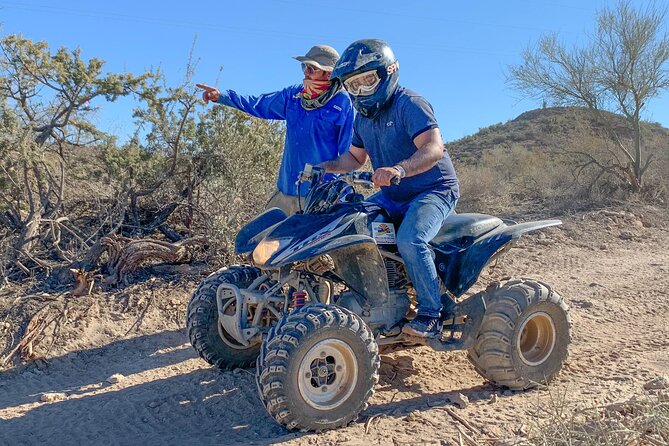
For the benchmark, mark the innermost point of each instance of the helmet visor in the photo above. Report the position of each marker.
(363, 84)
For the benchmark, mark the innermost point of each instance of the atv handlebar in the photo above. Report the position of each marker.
(365, 179)
(315, 174)
(323, 194)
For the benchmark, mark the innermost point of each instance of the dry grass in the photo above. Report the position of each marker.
(561, 421)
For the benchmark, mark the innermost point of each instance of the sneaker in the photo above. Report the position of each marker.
(423, 327)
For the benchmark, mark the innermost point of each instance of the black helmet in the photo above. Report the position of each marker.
(369, 72)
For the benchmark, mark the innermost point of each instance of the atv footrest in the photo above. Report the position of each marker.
(438, 344)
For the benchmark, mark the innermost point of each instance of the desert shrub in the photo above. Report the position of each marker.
(508, 177)
(243, 155)
(225, 174)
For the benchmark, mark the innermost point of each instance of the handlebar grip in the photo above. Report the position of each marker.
(365, 176)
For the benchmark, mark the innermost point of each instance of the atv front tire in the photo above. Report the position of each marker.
(206, 334)
(317, 368)
(525, 334)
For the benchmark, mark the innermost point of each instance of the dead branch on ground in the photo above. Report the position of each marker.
(127, 255)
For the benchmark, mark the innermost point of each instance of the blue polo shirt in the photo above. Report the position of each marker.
(312, 136)
(388, 139)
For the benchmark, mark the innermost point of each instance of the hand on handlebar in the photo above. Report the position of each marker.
(386, 176)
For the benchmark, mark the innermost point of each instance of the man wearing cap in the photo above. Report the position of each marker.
(319, 120)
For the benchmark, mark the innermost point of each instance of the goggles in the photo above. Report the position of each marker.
(363, 84)
(309, 69)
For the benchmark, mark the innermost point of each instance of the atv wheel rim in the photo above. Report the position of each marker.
(327, 374)
(536, 339)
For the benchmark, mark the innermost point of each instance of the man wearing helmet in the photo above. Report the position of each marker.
(396, 128)
(318, 115)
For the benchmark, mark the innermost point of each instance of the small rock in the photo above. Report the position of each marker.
(413, 416)
(659, 383)
(493, 398)
(154, 404)
(460, 400)
(604, 247)
(626, 235)
(115, 378)
(52, 397)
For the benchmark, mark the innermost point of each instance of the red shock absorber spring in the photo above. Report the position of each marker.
(299, 297)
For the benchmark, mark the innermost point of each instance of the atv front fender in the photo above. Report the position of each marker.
(319, 248)
(255, 230)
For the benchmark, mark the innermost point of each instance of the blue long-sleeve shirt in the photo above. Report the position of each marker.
(312, 136)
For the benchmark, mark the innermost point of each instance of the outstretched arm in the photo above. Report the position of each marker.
(347, 161)
(265, 106)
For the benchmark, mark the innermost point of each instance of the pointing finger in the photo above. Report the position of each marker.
(205, 87)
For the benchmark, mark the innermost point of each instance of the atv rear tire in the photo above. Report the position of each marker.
(524, 336)
(206, 334)
(317, 368)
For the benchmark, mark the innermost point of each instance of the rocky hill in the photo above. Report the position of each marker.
(550, 129)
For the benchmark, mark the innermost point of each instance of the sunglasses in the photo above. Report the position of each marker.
(309, 69)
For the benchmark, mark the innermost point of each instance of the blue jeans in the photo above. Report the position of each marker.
(423, 215)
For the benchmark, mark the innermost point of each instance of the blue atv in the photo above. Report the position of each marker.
(326, 289)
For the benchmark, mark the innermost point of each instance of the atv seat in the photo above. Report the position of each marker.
(470, 226)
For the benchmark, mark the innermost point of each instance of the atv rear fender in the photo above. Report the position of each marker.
(460, 268)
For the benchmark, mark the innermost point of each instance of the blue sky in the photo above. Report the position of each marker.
(456, 54)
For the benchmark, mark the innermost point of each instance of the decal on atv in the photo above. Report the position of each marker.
(384, 233)
(328, 231)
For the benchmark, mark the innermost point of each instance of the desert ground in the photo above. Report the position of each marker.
(120, 370)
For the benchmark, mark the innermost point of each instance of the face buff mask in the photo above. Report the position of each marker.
(316, 94)
(312, 89)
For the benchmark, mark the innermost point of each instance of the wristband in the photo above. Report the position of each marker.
(401, 170)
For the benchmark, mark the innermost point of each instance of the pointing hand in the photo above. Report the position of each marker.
(210, 93)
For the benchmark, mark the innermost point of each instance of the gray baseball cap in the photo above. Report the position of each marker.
(321, 56)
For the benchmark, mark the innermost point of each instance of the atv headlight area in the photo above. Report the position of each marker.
(267, 248)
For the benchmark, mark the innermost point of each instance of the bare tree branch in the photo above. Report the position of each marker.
(621, 69)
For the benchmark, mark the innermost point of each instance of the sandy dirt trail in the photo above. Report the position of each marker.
(611, 268)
